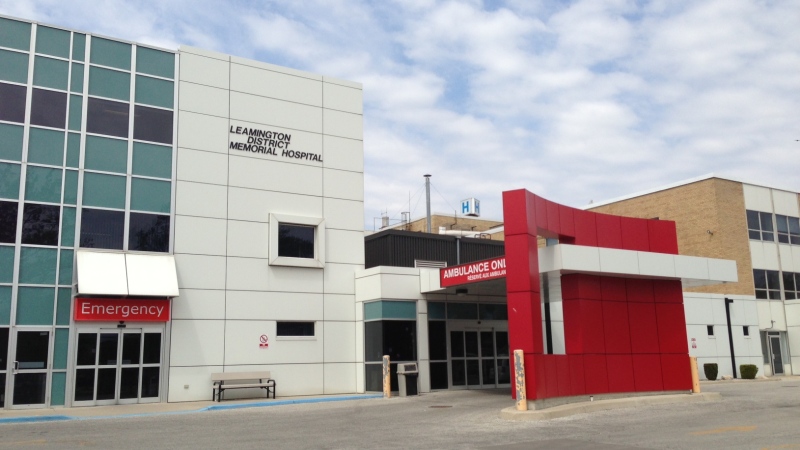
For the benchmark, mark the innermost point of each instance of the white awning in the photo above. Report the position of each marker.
(111, 273)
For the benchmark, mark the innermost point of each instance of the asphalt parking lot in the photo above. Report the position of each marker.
(751, 415)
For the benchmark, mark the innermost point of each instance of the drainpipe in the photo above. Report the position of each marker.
(428, 200)
(728, 302)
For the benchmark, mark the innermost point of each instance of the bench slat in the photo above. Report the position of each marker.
(233, 376)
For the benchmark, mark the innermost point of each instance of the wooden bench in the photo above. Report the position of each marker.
(241, 380)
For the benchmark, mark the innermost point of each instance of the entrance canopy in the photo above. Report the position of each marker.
(126, 274)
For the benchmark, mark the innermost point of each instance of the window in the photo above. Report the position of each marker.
(788, 229)
(710, 330)
(296, 241)
(295, 329)
(148, 233)
(8, 222)
(107, 117)
(48, 108)
(759, 226)
(154, 125)
(40, 224)
(102, 229)
(767, 284)
(12, 103)
(746, 330)
(791, 285)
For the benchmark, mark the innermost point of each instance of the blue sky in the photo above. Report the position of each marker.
(574, 100)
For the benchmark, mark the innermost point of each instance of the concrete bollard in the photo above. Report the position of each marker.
(519, 380)
(695, 375)
(387, 378)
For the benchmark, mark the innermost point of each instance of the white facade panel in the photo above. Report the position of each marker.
(796, 257)
(786, 258)
(202, 132)
(250, 305)
(691, 267)
(778, 315)
(204, 70)
(578, 257)
(200, 271)
(278, 113)
(346, 247)
(340, 378)
(343, 185)
(339, 307)
(200, 199)
(343, 124)
(247, 274)
(793, 336)
(614, 261)
(200, 235)
(400, 287)
(277, 85)
(275, 176)
(698, 311)
(197, 343)
(339, 278)
(339, 341)
(248, 239)
(757, 198)
(201, 99)
(202, 166)
(255, 205)
(771, 260)
(291, 279)
(344, 214)
(191, 384)
(199, 304)
(343, 154)
(657, 264)
(368, 287)
(242, 339)
(342, 98)
(275, 68)
(785, 203)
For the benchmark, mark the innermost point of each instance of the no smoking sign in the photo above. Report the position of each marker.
(263, 341)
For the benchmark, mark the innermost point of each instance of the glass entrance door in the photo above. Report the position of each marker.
(3, 364)
(479, 359)
(30, 368)
(117, 366)
(775, 353)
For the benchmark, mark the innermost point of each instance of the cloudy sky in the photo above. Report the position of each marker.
(574, 100)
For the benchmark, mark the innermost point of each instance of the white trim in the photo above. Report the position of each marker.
(319, 241)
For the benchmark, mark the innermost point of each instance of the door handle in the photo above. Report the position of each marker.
(16, 366)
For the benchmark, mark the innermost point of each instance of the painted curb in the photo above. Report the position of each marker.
(35, 419)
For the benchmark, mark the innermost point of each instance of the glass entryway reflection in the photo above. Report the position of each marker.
(116, 366)
(30, 367)
(479, 359)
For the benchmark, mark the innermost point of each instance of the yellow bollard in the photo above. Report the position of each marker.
(519, 377)
(695, 376)
(387, 379)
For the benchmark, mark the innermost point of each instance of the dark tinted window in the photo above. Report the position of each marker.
(295, 329)
(12, 103)
(102, 229)
(149, 233)
(107, 117)
(396, 338)
(40, 224)
(48, 108)
(296, 241)
(150, 124)
(437, 340)
(8, 222)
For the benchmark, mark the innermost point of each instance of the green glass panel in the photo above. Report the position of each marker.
(51, 41)
(150, 195)
(13, 66)
(108, 155)
(46, 147)
(78, 46)
(49, 72)
(64, 306)
(68, 227)
(75, 112)
(43, 184)
(109, 83)
(155, 62)
(71, 187)
(492, 312)
(152, 91)
(9, 181)
(372, 310)
(60, 349)
(5, 305)
(15, 34)
(11, 142)
(73, 149)
(6, 264)
(76, 79)
(390, 310)
(152, 160)
(65, 267)
(111, 53)
(37, 265)
(437, 310)
(35, 306)
(105, 191)
(57, 385)
(462, 311)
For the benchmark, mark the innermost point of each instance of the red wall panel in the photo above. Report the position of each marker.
(668, 291)
(536, 376)
(639, 290)
(564, 379)
(647, 373)
(567, 223)
(634, 234)
(595, 374)
(576, 375)
(588, 287)
(644, 328)
(522, 260)
(613, 289)
(573, 333)
(663, 236)
(585, 228)
(516, 214)
(551, 374)
(609, 231)
(620, 373)
(671, 328)
(676, 372)
(525, 314)
(541, 216)
(592, 325)
(553, 217)
(616, 329)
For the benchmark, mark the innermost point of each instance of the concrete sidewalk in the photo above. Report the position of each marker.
(149, 409)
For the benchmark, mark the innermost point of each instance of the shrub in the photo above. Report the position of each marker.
(711, 371)
(748, 371)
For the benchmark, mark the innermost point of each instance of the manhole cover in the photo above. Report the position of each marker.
(440, 406)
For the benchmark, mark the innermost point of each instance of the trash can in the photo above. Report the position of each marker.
(407, 376)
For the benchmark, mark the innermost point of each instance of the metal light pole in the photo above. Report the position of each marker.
(428, 200)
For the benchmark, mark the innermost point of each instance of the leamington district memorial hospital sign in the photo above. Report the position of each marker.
(268, 142)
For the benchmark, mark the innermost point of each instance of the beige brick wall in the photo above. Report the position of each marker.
(451, 223)
(709, 205)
